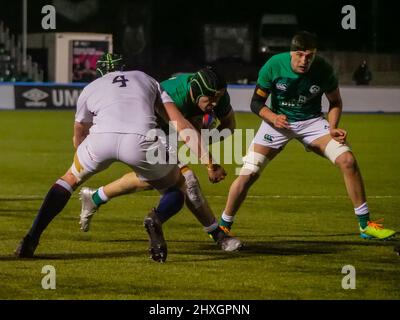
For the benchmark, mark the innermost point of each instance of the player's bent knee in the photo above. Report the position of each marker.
(346, 160)
(335, 149)
(193, 192)
(253, 164)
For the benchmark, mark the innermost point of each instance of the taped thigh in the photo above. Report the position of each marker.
(334, 149)
(79, 171)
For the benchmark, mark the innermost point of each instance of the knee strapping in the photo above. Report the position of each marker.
(253, 162)
(334, 149)
(78, 170)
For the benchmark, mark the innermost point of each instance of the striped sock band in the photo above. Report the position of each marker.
(227, 218)
(362, 213)
(226, 221)
(65, 185)
(99, 197)
(362, 210)
(102, 195)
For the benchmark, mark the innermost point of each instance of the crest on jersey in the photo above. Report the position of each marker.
(315, 89)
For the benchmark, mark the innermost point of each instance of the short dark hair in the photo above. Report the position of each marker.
(304, 40)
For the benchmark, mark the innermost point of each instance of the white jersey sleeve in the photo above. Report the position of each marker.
(82, 113)
(165, 98)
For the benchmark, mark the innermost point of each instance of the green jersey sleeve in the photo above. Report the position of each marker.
(265, 77)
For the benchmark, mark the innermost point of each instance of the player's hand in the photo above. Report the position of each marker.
(339, 135)
(216, 173)
(280, 122)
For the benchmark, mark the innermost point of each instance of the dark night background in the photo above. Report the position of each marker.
(175, 27)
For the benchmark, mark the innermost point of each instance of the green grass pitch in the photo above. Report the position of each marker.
(298, 226)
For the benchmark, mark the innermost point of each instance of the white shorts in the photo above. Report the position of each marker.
(305, 131)
(98, 151)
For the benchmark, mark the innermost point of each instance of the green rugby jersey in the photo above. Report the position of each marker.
(298, 96)
(178, 89)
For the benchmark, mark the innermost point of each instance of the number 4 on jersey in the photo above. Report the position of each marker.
(122, 80)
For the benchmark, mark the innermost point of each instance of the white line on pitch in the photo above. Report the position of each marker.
(37, 197)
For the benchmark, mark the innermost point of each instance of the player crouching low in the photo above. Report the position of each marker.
(203, 100)
(114, 115)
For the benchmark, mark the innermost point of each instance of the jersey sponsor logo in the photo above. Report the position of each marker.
(281, 86)
(289, 103)
(268, 137)
(315, 89)
(302, 99)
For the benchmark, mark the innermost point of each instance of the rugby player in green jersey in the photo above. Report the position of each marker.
(296, 81)
(195, 95)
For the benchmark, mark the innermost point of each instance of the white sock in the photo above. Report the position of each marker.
(362, 210)
(102, 195)
(227, 218)
(65, 185)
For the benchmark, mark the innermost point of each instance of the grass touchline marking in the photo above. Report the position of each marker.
(37, 197)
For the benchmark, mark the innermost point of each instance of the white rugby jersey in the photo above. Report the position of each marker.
(121, 102)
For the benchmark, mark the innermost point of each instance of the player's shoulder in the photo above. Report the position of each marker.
(178, 78)
(279, 58)
(322, 63)
(134, 74)
(276, 62)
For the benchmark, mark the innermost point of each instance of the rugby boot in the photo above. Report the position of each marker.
(88, 208)
(375, 230)
(26, 247)
(226, 241)
(157, 243)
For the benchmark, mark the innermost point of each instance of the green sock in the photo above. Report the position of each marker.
(226, 224)
(363, 220)
(96, 199)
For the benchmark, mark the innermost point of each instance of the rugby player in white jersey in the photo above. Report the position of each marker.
(114, 115)
(197, 96)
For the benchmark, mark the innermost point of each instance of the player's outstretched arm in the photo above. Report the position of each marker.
(193, 140)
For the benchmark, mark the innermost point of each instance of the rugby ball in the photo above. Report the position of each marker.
(209, 121)
(205, 121)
